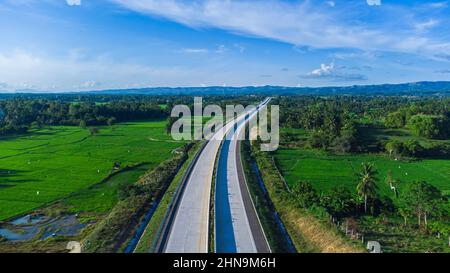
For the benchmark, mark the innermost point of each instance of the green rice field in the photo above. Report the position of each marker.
(48, 164)
(327, 171)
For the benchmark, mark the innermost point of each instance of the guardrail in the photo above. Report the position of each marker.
(169, 217)
(232, 131)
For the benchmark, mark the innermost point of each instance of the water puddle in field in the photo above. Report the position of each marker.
(29, 220)
(29, 227)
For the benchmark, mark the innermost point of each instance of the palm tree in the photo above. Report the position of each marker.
(367, 187)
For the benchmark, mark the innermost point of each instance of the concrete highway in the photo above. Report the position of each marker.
(189, 231)
(237, 226)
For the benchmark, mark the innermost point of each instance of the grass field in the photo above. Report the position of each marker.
(326, 171)
(102, 197)
(49, 164)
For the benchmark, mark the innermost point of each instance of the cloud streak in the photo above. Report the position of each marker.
(299, 23)
(195, 50)
(73, 2)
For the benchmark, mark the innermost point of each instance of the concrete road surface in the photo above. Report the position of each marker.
(189, 232)
(237, 228)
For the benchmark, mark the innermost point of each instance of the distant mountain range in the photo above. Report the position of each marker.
(406, 89)
(441, 88)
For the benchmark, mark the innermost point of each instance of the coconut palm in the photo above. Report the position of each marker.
(367, 187)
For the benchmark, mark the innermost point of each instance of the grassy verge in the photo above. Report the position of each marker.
(212, 213)
(395, 237)
(275, 236)
(308, 232)
(150, 234)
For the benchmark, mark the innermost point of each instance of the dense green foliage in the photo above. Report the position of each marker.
(21, 114)
(424, 200)
(340, 124)
(372, 161)
(430, 126)
(306, 222)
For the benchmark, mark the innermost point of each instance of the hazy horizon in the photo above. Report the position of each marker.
(31, 91)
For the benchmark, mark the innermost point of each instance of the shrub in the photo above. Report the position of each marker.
(304, 195)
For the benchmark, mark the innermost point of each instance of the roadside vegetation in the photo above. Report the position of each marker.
(277, 237)
(378, 167)
(309, 229)
(150, 235)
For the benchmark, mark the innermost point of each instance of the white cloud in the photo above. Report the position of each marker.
(373, 2)
(73, 2)
(438, 5)
(88, 85)
(424, 26)
(333, 73)
(323, 70)
(195, 50)
(299, 23)
(219, 49)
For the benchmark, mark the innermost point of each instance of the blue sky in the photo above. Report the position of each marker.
(70, 45)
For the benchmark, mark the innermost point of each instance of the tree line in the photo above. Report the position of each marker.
(20, 112)
(18, 115)
(340, 123)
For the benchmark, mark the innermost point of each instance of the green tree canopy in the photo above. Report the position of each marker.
(423, 199)
(305, 196)
(429, 126)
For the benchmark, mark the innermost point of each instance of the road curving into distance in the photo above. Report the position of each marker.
(187, 228)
